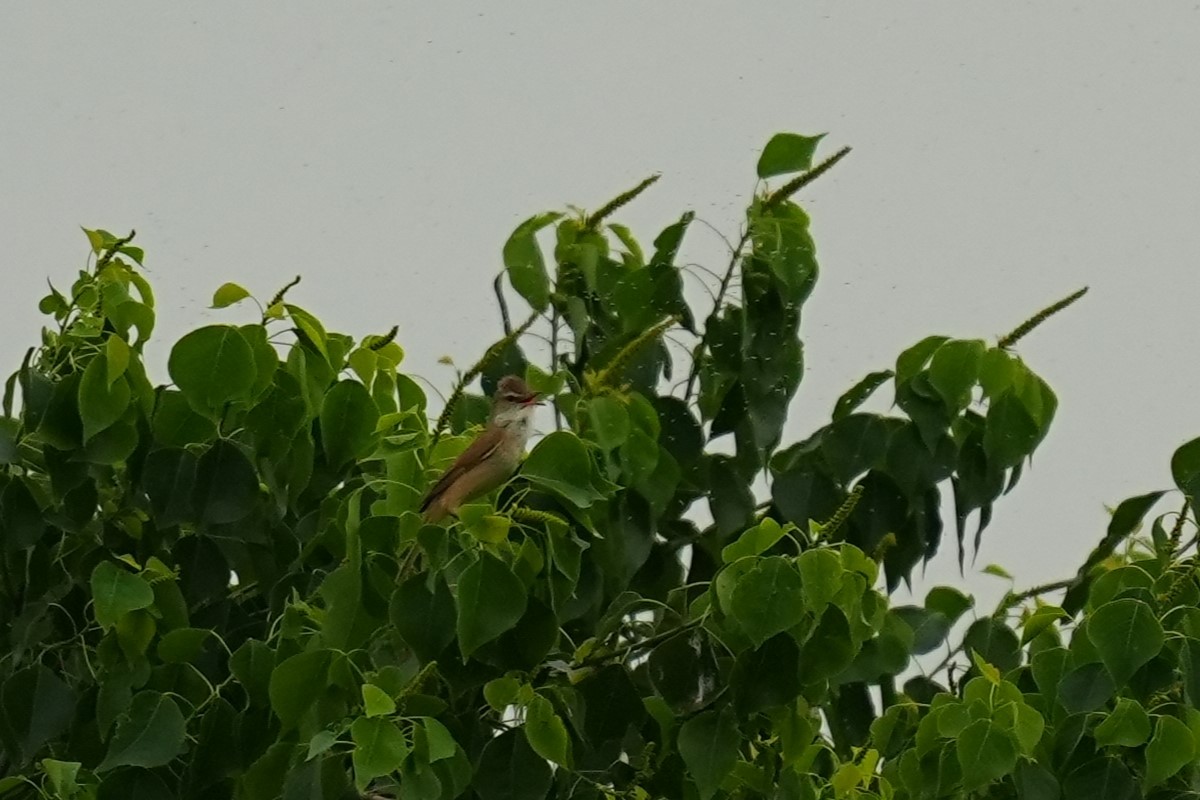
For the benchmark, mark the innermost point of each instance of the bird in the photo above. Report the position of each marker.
(492, 458)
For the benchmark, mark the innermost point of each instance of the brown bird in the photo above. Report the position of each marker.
(494, 455)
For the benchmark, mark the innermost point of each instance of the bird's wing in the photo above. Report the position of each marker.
(484, 445)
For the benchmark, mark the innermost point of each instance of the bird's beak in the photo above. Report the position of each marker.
(536, 399)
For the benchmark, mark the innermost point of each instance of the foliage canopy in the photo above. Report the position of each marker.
(221, 587)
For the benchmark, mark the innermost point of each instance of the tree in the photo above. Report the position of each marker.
(221, 587)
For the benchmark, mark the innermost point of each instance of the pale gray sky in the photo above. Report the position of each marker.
(1004, 155)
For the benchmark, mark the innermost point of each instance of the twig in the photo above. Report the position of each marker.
(1028, 325)
(497, 285)
(554, 322)
(625, 650)
(702, 345)
(949, 657)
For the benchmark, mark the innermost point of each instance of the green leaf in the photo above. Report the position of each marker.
(227, 294)
(1171, 748)
(1011, 432)
(545, 731)
(1185, 468)
(1127, 725)
(766, 677)
(252, 664)
(36, 706)
(768, 599)
(212, 366)
(99, 239)
(787, 152)
(311, 331)
(1127, 634)
(423, 616)
(759, 539)
(490, 528)
(62, 775)
(821, 570)
(348, 420)
(914, 359)
(268, 774)
(501, 693)
(116, 592)
(949, 602)
(182, 646)
(997, 370)
(929, 628)
(954, 369)
(609, 421)
(10, 436)
(491, 600)
(640, 457)
(509, 769)
(377, 702)
(708, 744)
(1085, 688)
(1039, 621)
(296, 683)
(320, 743)
(995, 642)
(379, 749)
(12, 782)
(150, 735)
(524, 261)
(986, 752)
(857, 394)
(175, 424)
(683, 671)
(560, 463)
(855, 444)
(100, 404)
(997, 571)
(226, 487)
(1024, 723)
(116, 357)
(1101, 779)
(21, 520)
(441, 743)
(1035, 782)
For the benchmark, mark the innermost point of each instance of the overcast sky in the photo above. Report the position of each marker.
(1004, 156)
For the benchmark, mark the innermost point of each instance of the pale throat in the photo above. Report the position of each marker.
(517, 421)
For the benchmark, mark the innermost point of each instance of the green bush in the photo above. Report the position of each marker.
(221, 587)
